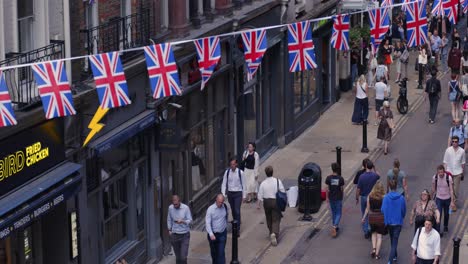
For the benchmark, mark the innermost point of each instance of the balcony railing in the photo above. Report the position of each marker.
(20, 81)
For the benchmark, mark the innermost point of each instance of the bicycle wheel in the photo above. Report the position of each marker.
(402, 105)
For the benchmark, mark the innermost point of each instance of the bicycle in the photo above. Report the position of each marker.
(402, 102)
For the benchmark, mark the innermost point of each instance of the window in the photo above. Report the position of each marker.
(25, 25)
(115, 203)
(305, 88)
(139, 177)
(198, 146)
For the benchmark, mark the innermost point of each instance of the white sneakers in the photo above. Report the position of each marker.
(273, 240)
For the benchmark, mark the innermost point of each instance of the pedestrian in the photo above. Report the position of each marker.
(216, 226)
(381, 71)
(251, 161)
(384, 131)
(454, 95)
(387, 51)
(436, 44)
(457, 130)
(454, 162)
(424, 207)
(394, 210)
(422, 64)
(233, 187)
(380, 95)
(399, 49)
(179, 219)
(442, 189)
(376, 218)
(456, 37)
(354, 62)
(433, 91)
(366, 182)
(464, 84)
(361, 102)
(464, 60)
(404, 59)
(399, 176)
(361, 171)
(267, 194)
(335, 188)
(454, 59)
(444, 52)
(426, 244)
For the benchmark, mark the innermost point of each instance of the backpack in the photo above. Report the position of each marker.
(227, 179)
(451, 133)
(380, 72)
(447, 175)
(404, 56)
(432, 87)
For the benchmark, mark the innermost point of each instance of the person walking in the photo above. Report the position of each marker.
(442, 189)
(433, 91)
(361, 171)
(399, 49)
(454, 162)
(399, 176)
(233, 186)
(376, 219)
(267, 194)
(464, 61)
(436, 44)
(334, 196)
(454, 94)
(380, 95)
(386, 51)
(216, 226)
(361, 102)
(251, 161)
(384, 131)
(444, 52)
(394, 211)
(454, 59)
(366, 182)
(422, 64)
(426, 244)
(423, 208)
(457, 130)
(179, 219)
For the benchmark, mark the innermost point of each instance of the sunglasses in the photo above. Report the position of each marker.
(454, 141)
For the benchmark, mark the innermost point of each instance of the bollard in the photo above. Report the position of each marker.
(456, 250)
(338, 155)
(235, 248)
(364, 148)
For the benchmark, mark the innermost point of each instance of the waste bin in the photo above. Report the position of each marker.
(310, 183)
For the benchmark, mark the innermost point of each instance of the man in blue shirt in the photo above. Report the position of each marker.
(215, 224)
(178, 224)
(394, 211)
(436, 44)
(365, 184)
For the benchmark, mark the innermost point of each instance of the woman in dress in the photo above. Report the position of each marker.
(384, 132)
(453, 95)
(361, 102)
(387, 51)
(376, 219)
(424, 207)
(399, 49)
(251, 161)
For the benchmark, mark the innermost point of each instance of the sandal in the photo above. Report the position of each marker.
(377, 257)
(373, 253)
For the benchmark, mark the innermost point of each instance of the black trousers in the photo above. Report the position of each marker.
(433, 103)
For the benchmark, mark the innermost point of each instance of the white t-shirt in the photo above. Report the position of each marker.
(268, 188)
(454, 160)
(428, 244)
(360, 90)
(380, 88)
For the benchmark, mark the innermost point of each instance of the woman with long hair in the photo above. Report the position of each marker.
(251, 162)
(361, 102)
(422, 208)
(376, 219)
(387, 50)
(399, 176)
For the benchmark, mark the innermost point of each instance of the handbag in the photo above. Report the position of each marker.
(419, 219)
(281, 198)
(376, 218)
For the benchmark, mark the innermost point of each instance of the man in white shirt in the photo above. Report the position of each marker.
(454, 162)
(380, 94)
(267, 195)
(426, 244)
(234, 188)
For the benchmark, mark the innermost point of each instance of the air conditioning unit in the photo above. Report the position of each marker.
(354, 5)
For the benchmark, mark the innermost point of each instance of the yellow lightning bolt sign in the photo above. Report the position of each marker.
(94, 125)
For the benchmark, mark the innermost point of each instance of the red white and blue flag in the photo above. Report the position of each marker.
(405, 7)
(340, 33)
(379, 24)
(7, 115)
(110, 80)
(208, 53)
(386, 3)
(301, 47)
(451, 10)
(162, 70)
(438, 8)
(54, 89)
(416, 23)
(465, 6)
(255, 46)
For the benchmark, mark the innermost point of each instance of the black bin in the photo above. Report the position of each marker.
(310, 183)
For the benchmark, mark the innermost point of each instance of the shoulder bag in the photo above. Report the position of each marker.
(281, 198)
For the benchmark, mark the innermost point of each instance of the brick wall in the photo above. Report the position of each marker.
(108, 9)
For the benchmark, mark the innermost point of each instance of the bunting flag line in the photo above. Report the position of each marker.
(386, 3)
(465, 6)
(110, 80)
(301, 47)
(416, 24)
(405, 7)
(7, 115)
(54, 89)
(255, 46)
(437, 8)
(162, 70)
(340, 33)
(451, 10)
(208, 53)
(379, 24)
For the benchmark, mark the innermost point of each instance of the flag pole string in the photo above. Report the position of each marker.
(220, 35)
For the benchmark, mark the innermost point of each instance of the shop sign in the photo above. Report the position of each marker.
(73, 235)
(30, 153)
(169, 136)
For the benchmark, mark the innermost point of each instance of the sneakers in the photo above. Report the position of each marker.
(333, 232)
(273, 240)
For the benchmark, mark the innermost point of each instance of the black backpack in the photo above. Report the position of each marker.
(432, 87)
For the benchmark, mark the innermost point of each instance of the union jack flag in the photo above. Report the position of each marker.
(465, 6)
(7, 115)
(208, 53)
(416, 23)
(438, 8)
(379, 24)
(386, 3)
(162, 70)
(110, 80)
(451, 10)
(340, 35)
(255, 46)
(405, 7)
(301, 47)
(52, 83)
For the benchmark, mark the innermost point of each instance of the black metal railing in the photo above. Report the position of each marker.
(20, 81)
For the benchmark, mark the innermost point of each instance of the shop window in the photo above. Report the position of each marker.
(198, 146)
(140, 199)
(115, 204)
(305, 89)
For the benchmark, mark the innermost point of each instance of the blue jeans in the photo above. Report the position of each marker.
(217, 248)
(365, 225)
(445, 206)
(235, 201)
(394, 231)
(336, 207)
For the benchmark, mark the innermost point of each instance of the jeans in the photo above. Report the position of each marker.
(443, 205)
(394, 231)
(433, 102)
(361, 110)
(444, 62)
(365, 225)
(235, 201)
(217, 248)
(180, 244)
(336, 207)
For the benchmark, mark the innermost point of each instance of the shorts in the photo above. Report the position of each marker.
(378, 104)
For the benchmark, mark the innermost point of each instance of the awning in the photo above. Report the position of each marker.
(36, 198)
(123, 132)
